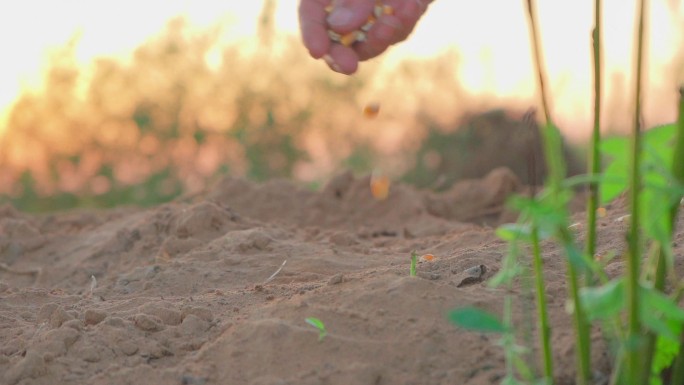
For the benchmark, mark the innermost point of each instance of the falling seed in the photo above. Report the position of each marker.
(380, 185)
(601, 211)
(371, 110)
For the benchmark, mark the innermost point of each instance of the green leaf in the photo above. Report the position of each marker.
(475, 319)
(658, 152)
(510, 380)
(510, 268)
(615, 149)
(513, 232)
(602, 302)
(656, 301)
(661, 314)
(318, 324)
(656, 324)
(665, 353)
(578, 259)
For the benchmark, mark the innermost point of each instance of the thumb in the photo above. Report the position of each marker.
(349, 15)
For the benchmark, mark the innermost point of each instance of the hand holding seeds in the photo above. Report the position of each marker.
(345, 32)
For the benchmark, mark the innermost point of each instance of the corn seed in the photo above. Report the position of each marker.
(359, 35)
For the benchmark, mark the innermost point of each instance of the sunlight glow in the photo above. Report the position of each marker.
(490, 36)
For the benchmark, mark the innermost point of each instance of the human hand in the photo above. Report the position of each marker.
(350, 15)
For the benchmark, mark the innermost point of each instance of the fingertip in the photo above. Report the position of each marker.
(315, 39)
(318, 47)
(342, 59)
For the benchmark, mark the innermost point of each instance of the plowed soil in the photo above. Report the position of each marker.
(183, 293)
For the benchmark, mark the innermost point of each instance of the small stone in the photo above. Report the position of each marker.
(94, 317)
(335, 279)
(59, 316)
(192, 325)
(471, 275)
(128, 348)
(148, 323)
(74, 324)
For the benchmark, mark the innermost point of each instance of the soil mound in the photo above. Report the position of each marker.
(215, 290)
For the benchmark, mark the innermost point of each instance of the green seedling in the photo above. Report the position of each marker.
(414, 258)
(318, 324)
(639, 311)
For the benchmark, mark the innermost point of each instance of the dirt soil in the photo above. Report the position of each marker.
(180, 293)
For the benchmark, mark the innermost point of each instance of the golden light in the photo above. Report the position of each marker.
(490, 37)
(488, 65)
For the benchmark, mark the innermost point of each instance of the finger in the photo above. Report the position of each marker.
(349, 15)
(386, 31)
(408, 12)
(342, 59)
(313, 27)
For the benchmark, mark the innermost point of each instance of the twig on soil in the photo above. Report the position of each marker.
(269, 279)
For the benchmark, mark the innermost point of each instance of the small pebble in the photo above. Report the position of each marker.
(148, 323)
(335, 279)
(94, 317)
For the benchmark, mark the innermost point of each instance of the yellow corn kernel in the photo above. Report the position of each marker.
(379, 185)
(371, 110)
(359, 35)
(348, 39)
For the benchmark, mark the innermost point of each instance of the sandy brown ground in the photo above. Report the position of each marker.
(179, 294)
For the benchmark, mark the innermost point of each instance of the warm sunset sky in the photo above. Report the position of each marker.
(491, 35)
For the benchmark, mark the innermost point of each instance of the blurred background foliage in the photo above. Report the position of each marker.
(185, 111)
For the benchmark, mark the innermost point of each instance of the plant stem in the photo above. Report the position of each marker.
(412, 271)
(556, 171)
(537, 59)
(635, 348)
(542, 315)
(594, 155)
